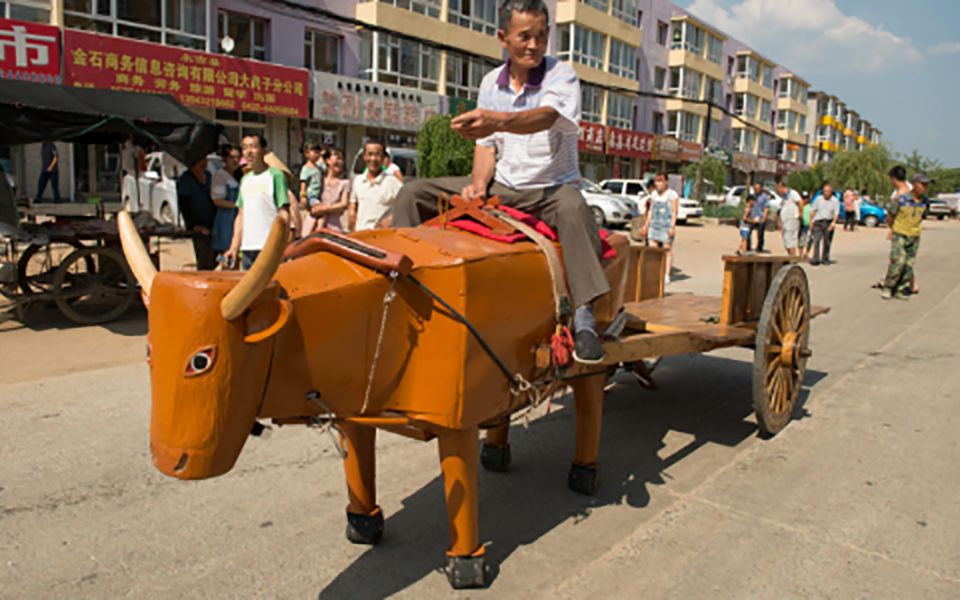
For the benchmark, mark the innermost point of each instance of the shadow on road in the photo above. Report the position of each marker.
(44, 316)
(704, 396)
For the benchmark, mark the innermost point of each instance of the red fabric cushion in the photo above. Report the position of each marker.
(606, 250)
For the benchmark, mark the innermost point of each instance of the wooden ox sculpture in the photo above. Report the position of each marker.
(369, 334)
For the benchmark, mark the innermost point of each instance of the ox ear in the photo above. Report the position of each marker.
(266, 318)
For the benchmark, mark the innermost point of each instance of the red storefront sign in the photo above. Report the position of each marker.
(193, 78)
(591, 137)
(632, 144)
(29, 51)
(690, 151)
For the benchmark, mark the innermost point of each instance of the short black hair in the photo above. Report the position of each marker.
(825, 184)
(508, 7)
(375, 141)
(312, 145)
(226, 149)
(662, 174)
(863, 192)
(898, 173)
(779, 180)
(260, 139)
(329, 151)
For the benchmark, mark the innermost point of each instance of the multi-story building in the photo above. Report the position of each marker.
(379, 68)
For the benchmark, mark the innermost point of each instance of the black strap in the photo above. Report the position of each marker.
(476, 334)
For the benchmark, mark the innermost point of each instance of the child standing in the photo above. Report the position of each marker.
(661, 221)
(745, 225)
(311, 182)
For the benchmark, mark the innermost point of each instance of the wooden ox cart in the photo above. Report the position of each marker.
(428, 333)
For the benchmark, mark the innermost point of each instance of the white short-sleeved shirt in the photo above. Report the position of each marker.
(825, 210)
(545, 158)
(261, 196)
(373, 198)
(790, 209)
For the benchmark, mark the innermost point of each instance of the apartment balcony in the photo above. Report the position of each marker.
(601, 77)
(795, 137)
(432, 29)
(675, 104)
(572, 11)
(763, 125)
(826, 120)
(746, 85)
(791, 104)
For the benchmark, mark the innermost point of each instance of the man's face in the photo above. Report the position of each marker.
(525, 39)
(313, 155)
(919, 189)
(782, 189)
(231, 161)
(828, 191)
(660, 182)
(757, 188)
(373, 158)
(252, 150)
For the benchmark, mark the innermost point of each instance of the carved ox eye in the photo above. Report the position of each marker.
(201, 361)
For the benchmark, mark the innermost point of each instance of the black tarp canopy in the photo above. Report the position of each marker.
(37, 112)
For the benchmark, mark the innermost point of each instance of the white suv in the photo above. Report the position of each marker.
(636, 189)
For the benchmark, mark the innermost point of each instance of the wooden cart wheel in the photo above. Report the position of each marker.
(781, 354)
(38, 264)
(89, 296)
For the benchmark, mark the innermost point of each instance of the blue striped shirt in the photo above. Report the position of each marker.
(546, 158)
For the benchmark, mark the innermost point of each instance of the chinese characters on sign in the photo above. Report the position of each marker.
(340, 99)
(592, 136)
(669, 148)
(690, 151)
(29, 51)
(193, 78)
(632, 144)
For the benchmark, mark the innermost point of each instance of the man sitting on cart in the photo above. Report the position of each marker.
(526, 129)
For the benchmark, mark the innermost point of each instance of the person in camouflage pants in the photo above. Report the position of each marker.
(906, 218)
(903, 251)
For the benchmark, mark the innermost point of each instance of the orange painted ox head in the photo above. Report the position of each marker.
(210, 344)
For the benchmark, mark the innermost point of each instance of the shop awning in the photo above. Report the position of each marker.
(36, 112)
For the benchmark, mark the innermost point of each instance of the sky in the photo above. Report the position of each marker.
(896, 62)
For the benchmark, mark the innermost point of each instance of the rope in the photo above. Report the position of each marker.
(387, 301)
(324, 423)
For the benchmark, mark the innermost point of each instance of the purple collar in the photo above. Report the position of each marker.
(534, 79)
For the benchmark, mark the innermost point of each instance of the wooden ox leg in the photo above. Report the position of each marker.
(364, 517)
(495, 455)
(584, 475)
(459, 449)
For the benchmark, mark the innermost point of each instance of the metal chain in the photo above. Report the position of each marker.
(387, 300)
(325, 424)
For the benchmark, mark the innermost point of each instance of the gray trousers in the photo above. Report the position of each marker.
(561, 207)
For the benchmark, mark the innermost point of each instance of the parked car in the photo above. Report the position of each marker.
(158, 187)
(608, 210)
(735, 197)
(937, 207)
(405, 158)
(871, 215)
(637, 189)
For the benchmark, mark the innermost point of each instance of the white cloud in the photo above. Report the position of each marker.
(808, 35)
(945, 48)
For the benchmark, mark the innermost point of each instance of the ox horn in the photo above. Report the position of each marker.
(256, 279)
(134, 251)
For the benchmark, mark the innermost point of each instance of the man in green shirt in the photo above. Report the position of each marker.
(905, 218)
(263, 195)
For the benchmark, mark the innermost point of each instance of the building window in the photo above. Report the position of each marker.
(172, 22)
(431, 8)
(748, 68)
(464, 75)
(620, 111)
(782, 119)
(785, 85)
(663, 32)
(676, 79)
(587, 46)
(767, 77)
(687, 36)
(600, 5)
(714, 90)
(25, 10)
(683, 125)
(404, 62)
(249, 34)
(239, 124)
(714, 49)
(765, 109)
(744, 140)
(623, 59)
(692, 83)
(746, 105)
(321, 51)
(591, 101)
(802, 123)
(659, 78)
(626, 11)
(478, 15)
(658, 123)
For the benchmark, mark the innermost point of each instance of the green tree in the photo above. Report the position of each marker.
(861, 170)
(809, 180)
(917, 162)
(441, 152)
(713, 173)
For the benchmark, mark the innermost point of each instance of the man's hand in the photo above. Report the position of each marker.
(672, 232)
(201, 230)
(473, 191)
(230, 258)
(832, 227)
(889, 235)
(478, 123)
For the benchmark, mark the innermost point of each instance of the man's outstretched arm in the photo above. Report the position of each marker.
(480, 122)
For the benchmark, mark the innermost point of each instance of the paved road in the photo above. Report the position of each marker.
(855, 499)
